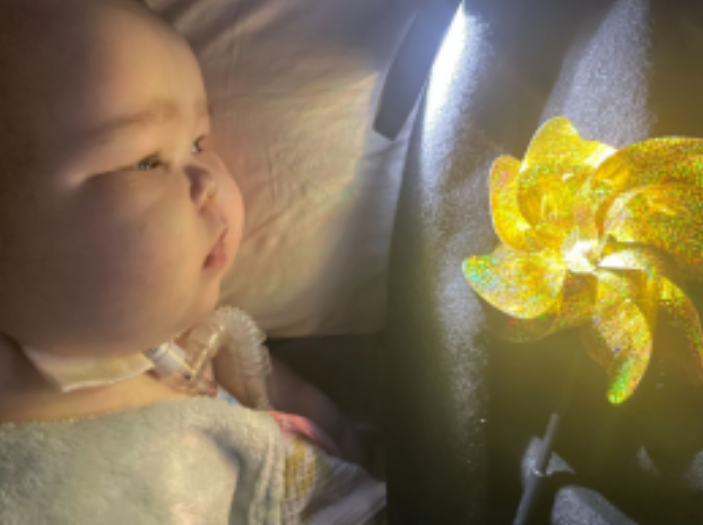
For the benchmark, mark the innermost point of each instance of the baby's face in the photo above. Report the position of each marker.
(113, 226)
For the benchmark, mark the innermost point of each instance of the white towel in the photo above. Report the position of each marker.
(197, 461)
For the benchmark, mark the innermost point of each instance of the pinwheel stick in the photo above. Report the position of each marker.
(538, 473)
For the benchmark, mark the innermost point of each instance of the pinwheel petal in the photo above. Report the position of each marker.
(599, 239)
(655, 161)
(584, 214)
(620, 338)
(629, 256)
(669, 217)
(508, 221)
(685, 316)
(520, 284)
(573, 309)
(557, 163)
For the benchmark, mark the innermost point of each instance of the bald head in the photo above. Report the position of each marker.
(104, 165)
(48, 53)
(52, 53)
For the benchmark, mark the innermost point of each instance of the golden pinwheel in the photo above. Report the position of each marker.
(597, 239)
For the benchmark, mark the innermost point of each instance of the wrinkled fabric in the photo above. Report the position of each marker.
(294, 85)
(199, 461)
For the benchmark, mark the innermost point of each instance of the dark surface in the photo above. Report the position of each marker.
(461, 408)
(437, 352)
(463, 412)
(346, 368)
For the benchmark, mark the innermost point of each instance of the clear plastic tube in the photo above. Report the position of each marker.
(183, 370)
(244, 359)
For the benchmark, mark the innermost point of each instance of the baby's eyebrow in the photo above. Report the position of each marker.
(158, 112)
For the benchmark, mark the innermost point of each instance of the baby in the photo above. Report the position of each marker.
(112, 202)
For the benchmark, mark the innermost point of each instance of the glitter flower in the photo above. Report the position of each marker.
(597, 239)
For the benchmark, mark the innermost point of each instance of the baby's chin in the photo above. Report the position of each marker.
(209, 298)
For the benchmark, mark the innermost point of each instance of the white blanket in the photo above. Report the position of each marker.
(198, 461)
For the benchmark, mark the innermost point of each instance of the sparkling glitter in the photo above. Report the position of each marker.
(599, 239)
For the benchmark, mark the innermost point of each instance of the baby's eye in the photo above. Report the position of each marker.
(153, 161)
(149, 163)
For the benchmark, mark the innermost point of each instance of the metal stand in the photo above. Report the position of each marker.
(539, 471)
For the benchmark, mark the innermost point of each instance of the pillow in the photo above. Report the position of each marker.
(294, 86)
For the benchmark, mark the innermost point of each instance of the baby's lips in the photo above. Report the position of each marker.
(220, 242)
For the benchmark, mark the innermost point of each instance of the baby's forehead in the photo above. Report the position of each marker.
(47, 47)
(91, 59)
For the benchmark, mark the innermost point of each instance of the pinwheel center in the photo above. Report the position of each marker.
(580, 256)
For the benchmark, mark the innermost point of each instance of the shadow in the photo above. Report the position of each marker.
(638, 455)
(348, 369)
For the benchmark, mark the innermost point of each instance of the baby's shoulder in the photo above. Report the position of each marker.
(47, 405)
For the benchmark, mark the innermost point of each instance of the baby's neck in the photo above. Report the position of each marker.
(26, 396)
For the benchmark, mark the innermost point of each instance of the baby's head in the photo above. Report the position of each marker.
(106, 175)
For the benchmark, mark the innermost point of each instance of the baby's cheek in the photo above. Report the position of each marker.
(139, 259)
(166, 259)
(141, 273)
(233, 207)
